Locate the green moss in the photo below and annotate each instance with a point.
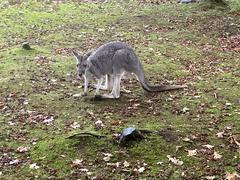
(55, 148)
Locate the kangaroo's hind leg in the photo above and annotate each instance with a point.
(116, 88)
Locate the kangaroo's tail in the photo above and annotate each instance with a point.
(158, 88)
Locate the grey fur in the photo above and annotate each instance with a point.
(111, 61)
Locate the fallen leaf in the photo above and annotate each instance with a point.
(83, 170)
(22, 149)
(141, 169)
(220, 134)
(75, 125)
(208, 146)
(159, 163)
(48, 120)
(232, 140)
(34, 166)
(126, 164)
(13, 162)
(174, 160)
(77, 95)
(228, 128)
(107, 156)
(228, 104)
(11, 123)
(185, 109)
(216, 155)
(101, 30)
(77, 162)
(192, 152)
(186, 139)
(89, 173)
(210, 177)
(99, 123)
(25, 102)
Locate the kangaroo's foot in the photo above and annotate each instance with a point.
(102, 97)
(110, 96)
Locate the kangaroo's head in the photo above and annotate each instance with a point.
(81, 63)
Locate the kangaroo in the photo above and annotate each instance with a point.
(111, 61)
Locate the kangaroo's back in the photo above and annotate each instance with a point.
(107, 50)
(102, 59)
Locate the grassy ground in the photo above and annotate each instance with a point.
(194, 44)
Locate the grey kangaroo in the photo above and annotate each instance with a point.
(111, 61)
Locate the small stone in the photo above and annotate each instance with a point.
(26, 46)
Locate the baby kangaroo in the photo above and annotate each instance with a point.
(111, 61)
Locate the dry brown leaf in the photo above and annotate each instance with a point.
(233, 140)
(232, 176)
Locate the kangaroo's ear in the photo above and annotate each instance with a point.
(77, 56)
